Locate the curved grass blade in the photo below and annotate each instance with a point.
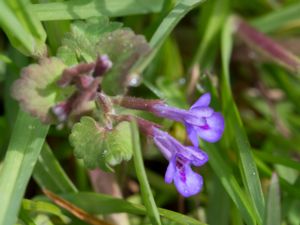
(25, 144)
(236, 130)
(147, 196)
(49, 174)
(165, 28)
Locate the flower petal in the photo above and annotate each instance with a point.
(170, 170)
(191, 185)
(192, 133)
(214, 129)
(163, 145)
(198, 157)
(202, 111)
(203, 101)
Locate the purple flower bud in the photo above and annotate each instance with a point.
(103, 64)
(181, 157)
(200, 120)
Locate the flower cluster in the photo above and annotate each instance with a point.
(200, 121)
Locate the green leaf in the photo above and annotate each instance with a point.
(25, 144)
(99, 147)
(105, 204)
(80, 43)
(119, 145)
(273, 209)
(124, 49)
(147, 196)
(82, 9)
(37, 91)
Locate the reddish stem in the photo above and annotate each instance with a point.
(136, 103)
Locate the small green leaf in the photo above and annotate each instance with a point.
(124, 49)
(99, 147)
(119, 145)
(87, 138)
(37, 91)
(80, 43)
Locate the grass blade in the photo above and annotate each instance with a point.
(26, 142)
(214, 21)
(50, 175)
(165, 28)
(230, 184)
(278, 18)
(16, 33)
(85, 9)
(236, 130)
(147, 196)
(95, 203)
(273, 211)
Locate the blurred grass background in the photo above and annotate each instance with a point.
(252, 72)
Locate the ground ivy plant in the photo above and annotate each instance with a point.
(81, 87)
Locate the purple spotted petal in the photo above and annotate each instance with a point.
(189, 184)
(203, 101)
(213, 131)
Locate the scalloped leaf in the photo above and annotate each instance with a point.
(124, 48)
(79, 44)
(36, 89)
(99, 147)
(119, 144)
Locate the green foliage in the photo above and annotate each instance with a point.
(100, 147)
(105, 204)
(43, 207)
(24, 30)
(83, 9)
(25, 144)
(98, 36)
(80, 43)
(124, 48)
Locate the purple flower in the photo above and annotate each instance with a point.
(200, 120)
(180, 158)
